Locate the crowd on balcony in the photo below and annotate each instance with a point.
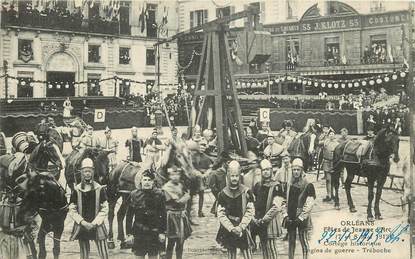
(57, 18)
(376, 54)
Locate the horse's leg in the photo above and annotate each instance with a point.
(347, 188)
(120, 219)
(381, 179)
(370, 187)
(112, 201)
(335, 185)
(41, 240)
(57, 234)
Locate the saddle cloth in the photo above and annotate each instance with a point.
(128, 175)
(354, 150)
(17, 162)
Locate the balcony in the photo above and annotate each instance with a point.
(66, 21)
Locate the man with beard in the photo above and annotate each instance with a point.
(147, 204)
(296, 203)
(235, 212)
(89, 208)
(265, 222)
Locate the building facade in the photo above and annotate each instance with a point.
(66, 48)
(324, 40)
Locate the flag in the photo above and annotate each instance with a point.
(142, 19)
(165, 14)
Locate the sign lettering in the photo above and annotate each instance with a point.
(99, 115)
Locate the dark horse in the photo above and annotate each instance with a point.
(373, 163)
(124, 178)
(73, 165)
(303, 145)
(19, 179)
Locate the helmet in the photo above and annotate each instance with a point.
(234, 165)
(265, 164)
(297, 163)
(87, 163)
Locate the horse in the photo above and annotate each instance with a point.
(373, 163)
(125, 177)
(304, 144)
(73, 164)
(17, 172)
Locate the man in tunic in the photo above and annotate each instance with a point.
(134, 145)
(153, 147)
(329, 145)
(265, 222)
(252, 143)
(147, 204)
(89, 208)
(87, 138)
(110, 144)
(217, 180)
(296, 204)
(235, 212)
(287, 132)
(273, 149)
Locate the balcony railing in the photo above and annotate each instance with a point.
(64, 21)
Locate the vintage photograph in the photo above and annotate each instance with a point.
(207, 129)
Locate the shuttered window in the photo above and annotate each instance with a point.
(198, 17)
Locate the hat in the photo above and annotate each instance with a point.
(234, 165)
(133, 129)
(155, 130)
(107, 129)
(20, 142)
(87, 163)
(287, 123)
(332, 130)
(265, 164)
(149, 173)
(297, 162)
(173, 169)
(90, 127)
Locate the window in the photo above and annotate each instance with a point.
(260, 6)
(198, 18)
(377, 52)
(332, 51)
(93, 10)
(151, 20)
(150, 57)
(125, 88)
(124, 12)
(25, 52)
(376, 6)
(94, 88)
(93, 54)
(25, 86)
(124, 56)
(293, 50)
(222, 12)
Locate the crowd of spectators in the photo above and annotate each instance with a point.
(376, 54)
(57, 18)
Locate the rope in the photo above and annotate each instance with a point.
(395, 205)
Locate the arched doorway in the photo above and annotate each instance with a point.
(60, 75)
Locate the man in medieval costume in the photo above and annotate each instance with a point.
(89, 208)
(147, 204)
(328, 147)
(134, 145)
(265, 221)
(153, 147)
(296, 204)
(287, 132)
(235, 212)
(110, 144)
(217, 179)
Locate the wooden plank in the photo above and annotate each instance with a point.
(239, 125)
(220, 121)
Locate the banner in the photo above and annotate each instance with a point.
(99, 115)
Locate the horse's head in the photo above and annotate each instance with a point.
(387, 144)
(47, 151)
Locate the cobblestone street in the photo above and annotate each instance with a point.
(202, 243)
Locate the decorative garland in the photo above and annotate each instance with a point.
(184, 68)
(313, 82)
(30, 82)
